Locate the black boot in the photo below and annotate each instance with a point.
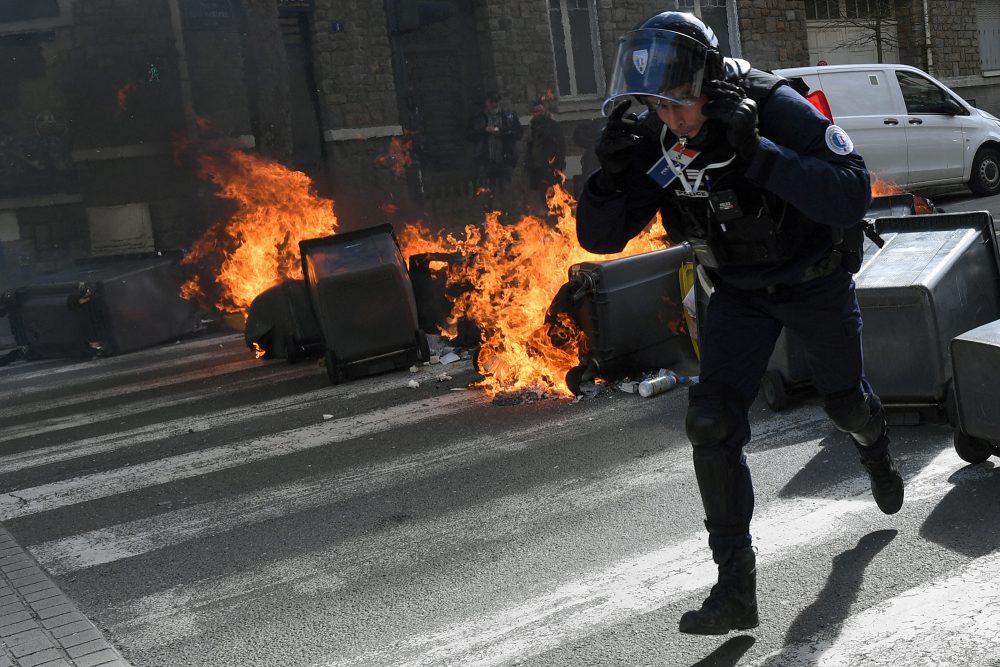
(887, 483)
(732, 604)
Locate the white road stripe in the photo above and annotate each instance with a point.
(25, 502)
(951, 622)
(640, 585)
(133, 538)
(133, 382)
(153, 432)
(106, 369)
(187, 610)
(140, 536)
(127, 409)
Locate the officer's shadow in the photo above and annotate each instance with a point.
(967, 519)
(833, 604)
(729, 654)
(837, 462)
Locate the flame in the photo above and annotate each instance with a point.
(514, 271)
(258, 246)
(124, 92)
(882, 187)
(399, 157)
(258, 351)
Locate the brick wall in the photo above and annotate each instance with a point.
(955, 38)
(353, 68)
(516, 49)
(773, 34)
(910, 29)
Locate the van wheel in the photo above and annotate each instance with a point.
(985, 179)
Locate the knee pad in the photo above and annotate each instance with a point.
(710, 421)
(858, 413)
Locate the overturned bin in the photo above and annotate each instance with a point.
(281, 323)
(363, 300)
(975, 358)
(102, 307)
(631, 313)
(936, 277)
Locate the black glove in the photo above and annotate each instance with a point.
(616, 147)
(729, 105)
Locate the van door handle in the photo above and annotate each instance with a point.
(890, 121)
(915, 121)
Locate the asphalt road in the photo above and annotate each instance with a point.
(202, 507)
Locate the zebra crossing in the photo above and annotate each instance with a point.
(206, 508)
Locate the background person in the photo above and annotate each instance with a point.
(546, 154)
(495, 132)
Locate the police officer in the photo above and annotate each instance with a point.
(769, 194)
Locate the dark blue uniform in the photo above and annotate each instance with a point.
(809, 182)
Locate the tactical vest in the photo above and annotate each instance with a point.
(736, 223)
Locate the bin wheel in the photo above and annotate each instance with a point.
(773, 386)
(972, 450)
(423, 347)
(574, 378)
(334, 372)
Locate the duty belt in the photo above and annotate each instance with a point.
(826, 265)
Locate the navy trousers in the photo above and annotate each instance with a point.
(736, 341)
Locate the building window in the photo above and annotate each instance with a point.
(868, 9)
(720, 16)
(574, 38)
(822, 9)
(988, 15)
(849, 9)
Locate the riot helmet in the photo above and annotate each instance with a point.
(666, 57)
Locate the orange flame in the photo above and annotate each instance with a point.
(515, 271)
(399, 157)
(259, 245)
(258, 351)
(124, 92)
(882, 187)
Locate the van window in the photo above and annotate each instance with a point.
(861, 93)
(921, 95)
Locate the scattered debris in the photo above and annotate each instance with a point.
(413, 384)
(443, 377)
(414, 369)
(449, 358)
(628, 386)
(325, 417)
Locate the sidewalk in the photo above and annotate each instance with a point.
(39, 626)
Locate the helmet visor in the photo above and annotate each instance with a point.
(660, 64)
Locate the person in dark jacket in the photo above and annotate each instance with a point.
(546, 154)
(495, 131)
(770, 194)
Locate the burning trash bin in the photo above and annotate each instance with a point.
(281, 323)
(363, 300)
(435, 297)
(631, 313)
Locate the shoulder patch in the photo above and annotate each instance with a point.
(838, 141)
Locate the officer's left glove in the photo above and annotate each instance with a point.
(728, 104)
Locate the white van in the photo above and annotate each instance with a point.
(910, 128)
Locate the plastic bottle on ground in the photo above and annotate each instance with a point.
(657, 385)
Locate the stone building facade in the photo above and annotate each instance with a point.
(94, 93)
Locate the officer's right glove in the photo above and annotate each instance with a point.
(617, 147)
